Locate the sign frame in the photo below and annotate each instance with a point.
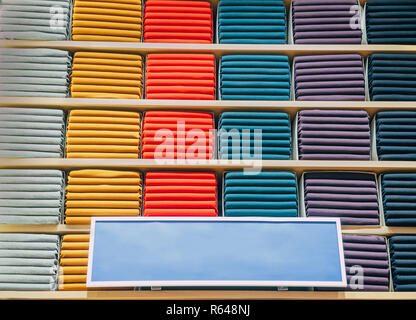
(216, 283)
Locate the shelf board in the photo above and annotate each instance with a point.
(215, 106)
(84, 228)
(378, 230)
(219, 50)
(204, 295)
(219, 166)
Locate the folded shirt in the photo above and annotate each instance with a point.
(398, 190)
(350, 196)
(35, 20)
(390, 77)
(337, 22)
(178, 134)
(333, 135)
(403, 263)
(393, 128)
(381, 22)
(329, 77)
(258, 85)
(103, 134)
(31, 196)
(73, 255)
(191, 194)
(186, 76)
(252, 22)
(366, 263)
(244, 135)
(28, 261)
(107, 75)
(178, 21)
(28, 132)
(270, 194)
(107, 21)
(91, 192)
(34, 72)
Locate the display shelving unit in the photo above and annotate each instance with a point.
(218, 166)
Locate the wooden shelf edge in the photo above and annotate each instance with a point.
(204, 295)
(378, 230)
(216, 106)
(70, 229)
(219, 166)
(218, 49)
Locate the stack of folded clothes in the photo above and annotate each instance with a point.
(178, 21)
(333, 135)
(254, 135)
(180, 76)
(28, 261)
(265, 194)
(351, 196)
(391, 22)
(31, 133)
(35, 19)
(392, 77)
(396, 135)
(107, 75)
(252, 22)
(326, 22)
(255, 77)
(329, 77)
(399, 194)
(34, 72)
(92, 192)
(178, 135)
(369, 253)
(74, 262)
(31, 196)
(180, 194)
(366, 263)
(117, 20)
(403, 262)
(103, 134)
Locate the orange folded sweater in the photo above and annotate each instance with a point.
(170, 21)
(107, 75)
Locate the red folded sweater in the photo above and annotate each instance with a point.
(178, 21)
(180, 194)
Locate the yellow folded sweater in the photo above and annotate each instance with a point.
(103, 181)
(104, 113)
(107, 11)
(101, 155)
(106, 17)
(103, 188)
(106, 24)
(105, 81)
(103, 126)
(99, 119)
(113, 5)
(103, 134)
(97, 173)
(110, 141)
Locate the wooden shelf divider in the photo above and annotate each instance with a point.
(215, 106)
(62, 229)
(219, 50)
(219, 166)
